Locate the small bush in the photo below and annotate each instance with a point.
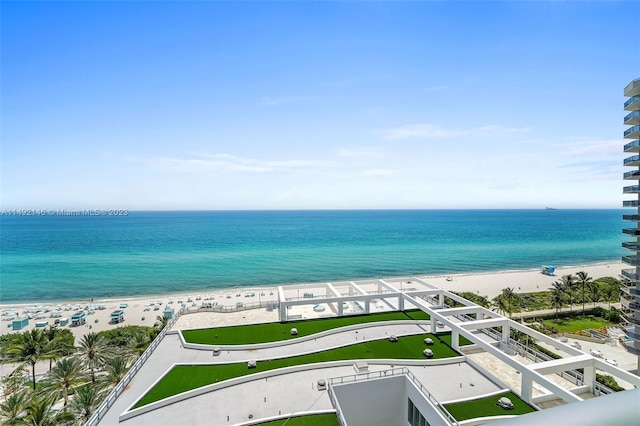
(609, 382)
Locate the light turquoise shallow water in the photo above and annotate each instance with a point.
(58, 258)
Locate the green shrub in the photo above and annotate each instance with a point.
(545, 351)
(609, 382)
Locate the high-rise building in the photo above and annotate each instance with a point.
(630, 295)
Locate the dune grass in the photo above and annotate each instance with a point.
(183, 378)
(310, 420)
(485, 407)
(276, 331)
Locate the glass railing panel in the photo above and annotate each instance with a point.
(631, 217)
(631, 174)
(631, 189)
(631, 145)
(631, 159)
(631, 100)
(630, 203)
(631, 115)
(631, 130)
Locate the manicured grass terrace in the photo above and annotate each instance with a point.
(311, 420)
(276, 331)
(183, 378)
(485, 407)
(571, 325)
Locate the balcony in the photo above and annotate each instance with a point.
(631, 217)
(630, 274)
(632, 146)
(633, 189)
(631, 260)
(631, 305)
(631, 245)
(630, 317)
(630, 332)
(632, 175)
(634, 160)
(633, 88)
(630, 203)
(632, 132)
(631, 291)
(632, 103)
(632, 118)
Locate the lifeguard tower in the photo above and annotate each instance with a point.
(548, 270)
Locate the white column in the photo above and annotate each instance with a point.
(455, 340)
(340, 309)
(526, 386)
(590, 377)
(283, 311)
(433, 324)
(367, 306)
(401, 303)
(506, 333)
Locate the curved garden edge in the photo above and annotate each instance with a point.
(130, 413)
(206, 347)
(284, 417)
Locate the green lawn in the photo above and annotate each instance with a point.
(485, 407)
(571, 325)
(183, 378)
(311, 420)
(275, 331)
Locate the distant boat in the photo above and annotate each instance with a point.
(550, 208)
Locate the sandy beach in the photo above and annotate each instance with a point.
(144, 310)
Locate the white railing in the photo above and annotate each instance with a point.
(115, 392)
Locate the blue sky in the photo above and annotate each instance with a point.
(306, 105)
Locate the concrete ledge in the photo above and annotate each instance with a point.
(584, 338)
(254, 346)
(285, 417)
(484, 420)
(130, 412)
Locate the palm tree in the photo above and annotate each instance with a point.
(116, 368)
(95, 351)
(161, 322)
(583, 279)
(611, 292)
(498, 304)
(40, 412)
(569, 283)
(67, 373)
(557, 298)
(508, 295)
(30, 347)
(60, 343)
(595, 293)
(14, 406)
(139, 343)
(86, 400)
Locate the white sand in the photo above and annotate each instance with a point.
(486, 284)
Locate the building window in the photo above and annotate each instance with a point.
(414, 416)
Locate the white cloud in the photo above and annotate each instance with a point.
(228, 163)
(363, 152)
(377, 172)
(432, 131)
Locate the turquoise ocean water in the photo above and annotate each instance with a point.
(47, 258)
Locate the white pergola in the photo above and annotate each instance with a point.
(430, 299)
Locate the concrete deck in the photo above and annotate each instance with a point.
(283, 394)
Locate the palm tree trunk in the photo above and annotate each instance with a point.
(33, 374)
